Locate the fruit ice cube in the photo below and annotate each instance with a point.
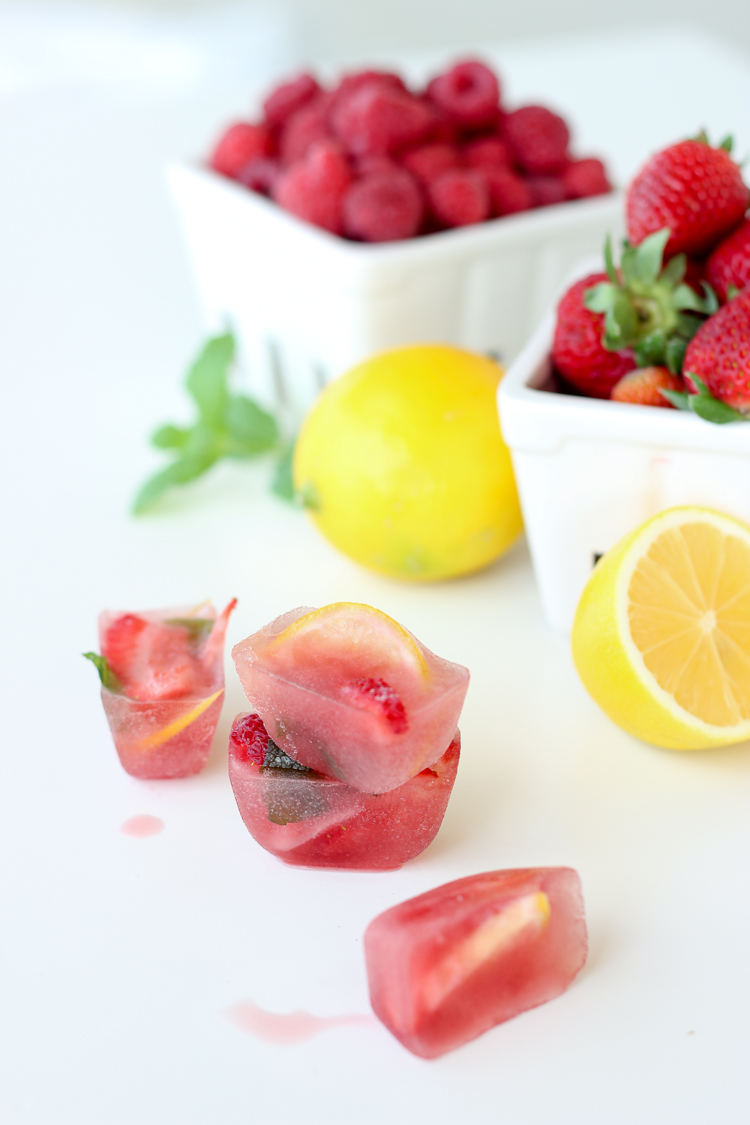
(348, 692)
(452, 963)
(162, 674)
(307, 819)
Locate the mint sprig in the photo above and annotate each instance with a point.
(109, 680)
(704, 404)
(228, 425)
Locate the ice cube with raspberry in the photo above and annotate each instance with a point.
(448, 965)
(307, 819)
(162, 686)
(350, 693)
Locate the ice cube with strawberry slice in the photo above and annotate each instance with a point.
(450, 964)
(162, 685)
(347, 691)
(307, 819)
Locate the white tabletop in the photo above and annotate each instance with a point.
(121, 956)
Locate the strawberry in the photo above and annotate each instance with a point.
(693, 189)
(577, 350)
(729, 264)
(719, 355)
(643, 386)
(380, 699)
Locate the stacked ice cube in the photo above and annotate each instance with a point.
(351, 753)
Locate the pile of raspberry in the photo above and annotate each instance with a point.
(374, 161)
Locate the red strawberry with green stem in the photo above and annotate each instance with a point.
(728, 267)
(693, 189)
(577, 349)
(717, 363)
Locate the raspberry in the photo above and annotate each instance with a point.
(469, 93)
(368, 165)
(303, 129)
(250, 739)
(288, 98)
(509, 194)
(538, 138)
(642, 386)
(428, 161)
(313, 189)
(240, 144)
(546, 190)
(380, 699)
(486, 152)
(352, 82)
(460, 197)
(260, 175)
(583, 178)
(383, 207)
(376, 119)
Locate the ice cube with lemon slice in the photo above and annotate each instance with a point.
(349, 692)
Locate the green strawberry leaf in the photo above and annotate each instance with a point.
(651, 351)
(680, 399)
(674, 271)
(251, 430)
(600, 298)
(207, 380)
(283, 482)
(711, 300)
(686, 298)
(609, 263)
(732, 292)
(711, 410)
(674, 354)
(109, 680)
(728, 143)
(648, 256)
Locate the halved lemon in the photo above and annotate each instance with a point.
(661, 637)
(358, 635)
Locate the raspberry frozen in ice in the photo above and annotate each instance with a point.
(452, 963)
(305, 818)
(347, 691)
(162, 674)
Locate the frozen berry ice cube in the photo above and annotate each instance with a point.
(162, 676)
(346, 691)
(452, 963)
(307, 819)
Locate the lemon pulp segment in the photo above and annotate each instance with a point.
(689, 618)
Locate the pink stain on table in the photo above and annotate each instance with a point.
(286, 1028)
(142, 826)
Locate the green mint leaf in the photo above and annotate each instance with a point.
(600, 298)
(674, 271)
(185, 469)
(680, 399)
(609, 264)
(711, 410)
(648, 256)
(109, 680)
(282, 484)
(251, 430)
(198, 628)
(674, 354)
(170, 437)
(207, 380)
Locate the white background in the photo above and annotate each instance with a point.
(119, 956)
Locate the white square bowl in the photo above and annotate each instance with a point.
(307, 305)
(590, 470)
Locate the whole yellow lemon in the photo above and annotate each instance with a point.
(403, 467)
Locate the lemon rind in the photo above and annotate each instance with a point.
(636, 549)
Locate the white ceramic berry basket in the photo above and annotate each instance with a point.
(590, 470)
(307, 305)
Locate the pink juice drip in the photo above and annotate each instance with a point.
(291, 1027)
(142, 826)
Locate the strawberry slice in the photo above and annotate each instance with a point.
(379, 698)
